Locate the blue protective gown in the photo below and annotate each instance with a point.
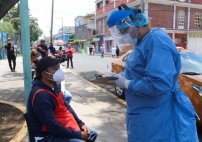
(157, 110)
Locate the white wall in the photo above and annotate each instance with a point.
(194, 42)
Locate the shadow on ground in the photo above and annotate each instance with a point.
(11, 121)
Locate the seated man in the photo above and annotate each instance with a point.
(49, 117)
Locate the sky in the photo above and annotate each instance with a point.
(67, 10)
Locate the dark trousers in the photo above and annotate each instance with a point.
(102, 54)
(69, 59)
(92, 138)
(12, 58)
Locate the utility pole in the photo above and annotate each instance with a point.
(25, 43)
(62, 31)
(51, 31)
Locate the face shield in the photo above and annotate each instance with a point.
(124, 34)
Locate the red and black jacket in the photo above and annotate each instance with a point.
(49, 114)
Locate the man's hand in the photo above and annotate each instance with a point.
(85, 135)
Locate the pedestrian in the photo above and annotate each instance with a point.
(52, 49)
(113, 51)
(102, 49)
(48, 116)
(69, 52)
(93, 50)
(157, 110)
(11, 55)
(35, 57)
(117, 51)
(59, 52)
(42, 48)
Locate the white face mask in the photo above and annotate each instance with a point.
(58, 76)
(39, 58)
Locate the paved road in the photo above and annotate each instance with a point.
(88, 65)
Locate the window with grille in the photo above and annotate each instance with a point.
(197, 20)
(181, 15)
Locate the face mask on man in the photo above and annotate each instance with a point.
(58, 76)
(39, 58)
(9, 43)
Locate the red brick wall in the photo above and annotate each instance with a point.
(131, 0)
(161, 15)
(99, 26)
(196, 1)
(99, 11)
(106, 29)
(192, 13)
(109, 7)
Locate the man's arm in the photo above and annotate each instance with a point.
(44, 106)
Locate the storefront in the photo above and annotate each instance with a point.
(98, 41)
(108, 43)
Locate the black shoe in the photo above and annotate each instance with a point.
(67, 67)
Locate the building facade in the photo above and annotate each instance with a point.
(84, 30)
(182, 19)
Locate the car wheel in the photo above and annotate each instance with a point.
(120, 92)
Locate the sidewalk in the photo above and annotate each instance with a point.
(95, 106)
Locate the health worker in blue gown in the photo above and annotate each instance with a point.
(157, 110)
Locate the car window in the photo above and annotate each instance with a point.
(191, 63)
(126, 57)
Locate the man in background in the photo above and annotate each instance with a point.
(10, 55)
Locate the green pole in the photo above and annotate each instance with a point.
(25, 43)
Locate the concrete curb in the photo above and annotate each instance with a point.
(98, 87)
(23, 131)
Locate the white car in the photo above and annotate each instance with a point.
(58, 46)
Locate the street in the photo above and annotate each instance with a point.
(87, 66)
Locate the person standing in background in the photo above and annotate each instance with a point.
(69, 52)
(42, 48)
(113, 51)
(52, 49)
(10, 55)
(117, 51)
(102, 49)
